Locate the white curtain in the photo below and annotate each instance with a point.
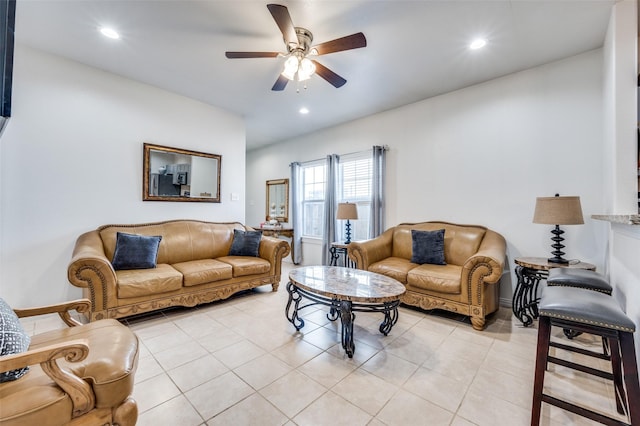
(296, 213)
(330, 207)
(376, 223)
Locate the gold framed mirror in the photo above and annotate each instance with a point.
(174, 174)
(278, 200)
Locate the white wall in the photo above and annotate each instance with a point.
(479, 155)
(72, 161)
(620, 154)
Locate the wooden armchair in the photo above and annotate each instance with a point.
(80, 375)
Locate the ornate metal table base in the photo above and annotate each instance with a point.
(343, 309)
(525, 297)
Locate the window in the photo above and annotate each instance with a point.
(314, 180)
(355, 174)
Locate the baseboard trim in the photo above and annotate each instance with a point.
(505, 302)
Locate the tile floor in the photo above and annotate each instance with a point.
(240, 362)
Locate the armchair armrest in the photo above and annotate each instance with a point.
(82, 306)
(365, 253)
(486, 266)
(80, 392)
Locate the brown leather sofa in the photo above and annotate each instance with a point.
(193, 267)
(81, 375)
(469, 282)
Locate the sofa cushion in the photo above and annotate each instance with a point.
(143, 282)
(109, 368)
(13, 340)
(245, 243)
(439, 278)
(394, 267)
(203, 271)
(135, 251)
(246, 265)
(427, 247)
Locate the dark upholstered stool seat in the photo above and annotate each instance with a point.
(580, 278)
(595, 313)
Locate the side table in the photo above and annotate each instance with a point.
(338, 250)
(530, 271)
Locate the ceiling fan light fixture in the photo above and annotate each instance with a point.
(306, 69)
(478, 43)
(291, 67)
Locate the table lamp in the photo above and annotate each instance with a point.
(347, 211)
(558, 211)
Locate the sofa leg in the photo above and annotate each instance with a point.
(478, 323)
(126, 414)
(274, 286)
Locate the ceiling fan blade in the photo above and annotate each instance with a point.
(237, 55)
(353, 41)
(283, 19)
(329, 75)
(280, 83)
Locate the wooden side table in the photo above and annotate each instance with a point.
(338, 250)
(530, 271)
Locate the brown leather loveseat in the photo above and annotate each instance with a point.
(469, 282)
(193, 267)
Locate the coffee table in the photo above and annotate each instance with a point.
(345, 291)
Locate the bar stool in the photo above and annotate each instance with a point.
(598, 314)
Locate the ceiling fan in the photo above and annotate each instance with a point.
(298, 40)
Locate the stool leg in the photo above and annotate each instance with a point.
(542, 353)
(616, 369)
(630, 366)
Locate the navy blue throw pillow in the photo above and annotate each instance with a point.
(428, 247)
(245, 243)
(135, 251)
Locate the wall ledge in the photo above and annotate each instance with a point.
(626, 219)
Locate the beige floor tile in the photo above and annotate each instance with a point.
(147, 367)
(468, 351)
(177, 411)
(391, 368)
(215, 396)
(327, 369)
(198, 325)
(181, 354)
(436, 325)
(509, 363)
(321, 337)
(154, 391)
(262, 371)
(153, 327)
(252, 411)
(239, 353)
(468, 334)
(297, 352)
(361, 354)
(406, 408)
(292, 393)
(412, 350)
(168, 340)
(513, 389)
(220, 340)
(454, 367)
(331, 409)
(366, 391)
(487, 410)
(460, 421)
(196, 372)
(436, 388)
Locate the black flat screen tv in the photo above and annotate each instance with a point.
(7, 30)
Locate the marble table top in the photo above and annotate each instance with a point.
(347, 284)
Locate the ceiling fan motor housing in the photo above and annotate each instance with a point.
(305, 37)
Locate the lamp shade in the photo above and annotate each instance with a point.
(558, 211)
(347, 211)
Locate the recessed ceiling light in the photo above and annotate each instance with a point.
(109, 32)
(477, 43)
(303, 110)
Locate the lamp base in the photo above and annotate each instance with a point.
(557, 252)
(348, 229)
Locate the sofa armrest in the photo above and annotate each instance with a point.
(274, 250)
(486, 266)
(82, 306)
(80, 392)
(91, 269)
(365, 253)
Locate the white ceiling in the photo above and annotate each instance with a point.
(416, 49)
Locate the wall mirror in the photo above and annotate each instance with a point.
(173, 174)
(278, 200)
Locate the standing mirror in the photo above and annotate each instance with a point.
(278, 200)
(173, 174)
